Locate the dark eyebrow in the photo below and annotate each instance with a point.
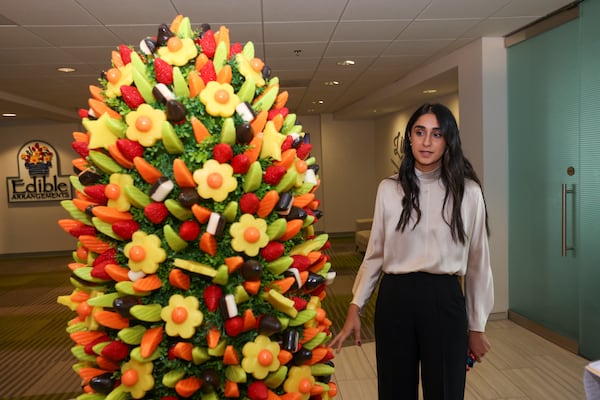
(422, 127)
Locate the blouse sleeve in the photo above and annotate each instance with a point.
(370, 269)
(479, 293)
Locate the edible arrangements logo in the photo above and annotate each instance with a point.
(39, 178)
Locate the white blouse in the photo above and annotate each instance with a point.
(429, 247)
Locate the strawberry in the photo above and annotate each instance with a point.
(96, 193)
(212, 294)
(108, 257)
(163, 71)
(303, 150)
(273, 174)
(275, 111)
(125, 229)
(130, 149)
(116, 350)
(287, 143)
(302, 263)
(81, 148)
(240, 164)
(234, 326)
(88, 348)
(83, 230)
(125, 53)
(156, 212)
(235, 48)
(189, 230)
(132, 97)
(272, 251)
(299, 303)
(222, 152)
(83, 113)
(208, 43)
(257, 390)
(249, 203)
(208, 73)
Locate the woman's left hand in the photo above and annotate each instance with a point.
(479, 344)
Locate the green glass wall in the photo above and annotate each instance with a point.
(554, 140)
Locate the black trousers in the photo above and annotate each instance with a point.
(420, 324)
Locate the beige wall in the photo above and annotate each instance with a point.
(347, 171)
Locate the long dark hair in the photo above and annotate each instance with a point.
(454, 170)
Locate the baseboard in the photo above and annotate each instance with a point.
(497, 316)
(548, 334)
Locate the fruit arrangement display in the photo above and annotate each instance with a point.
(198, 272)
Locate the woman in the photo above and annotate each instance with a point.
(429, 229)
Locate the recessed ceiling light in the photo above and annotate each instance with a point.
(66, 69)
(332, 83)
(9, 115)
(346, 62)
(429, 91)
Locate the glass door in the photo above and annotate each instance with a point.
(543, 156)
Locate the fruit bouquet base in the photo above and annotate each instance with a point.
(197, 271)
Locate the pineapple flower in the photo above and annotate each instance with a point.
(145, 125)
(215, 180)
(144, 252)
(219, 99)
(117, 77)
(300, 380)
(115, 193)
(182, 316)
(178, 51)
(249, 235)
(136, 378)
(260, 357)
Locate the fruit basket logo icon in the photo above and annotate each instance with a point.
(38, 159)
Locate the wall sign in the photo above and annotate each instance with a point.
(39, 178)
(398, 153)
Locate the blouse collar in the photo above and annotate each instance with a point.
(430, 176)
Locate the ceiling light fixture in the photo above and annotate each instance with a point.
(429, 91)
(66, 69)
(332, 83)
(9, 115)
(346, 63)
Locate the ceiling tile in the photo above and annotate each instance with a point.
(383, 9)
(351, 49)
(443, 9)
(305, 31)
(416, 47)
(305, 10)
(16, 36)
(55, 12)
(121, 12)
(437, 29)
(533, 8)
(497, 26)
(290, 50)
(63, 36)
(225, 11)
(368, 30)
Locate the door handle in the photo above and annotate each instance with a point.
(564, 193)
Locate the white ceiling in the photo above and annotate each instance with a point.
(302, 41)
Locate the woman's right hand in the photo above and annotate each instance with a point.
(352, 325)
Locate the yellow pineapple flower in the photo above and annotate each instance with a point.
(182, 316)
(144, 252)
